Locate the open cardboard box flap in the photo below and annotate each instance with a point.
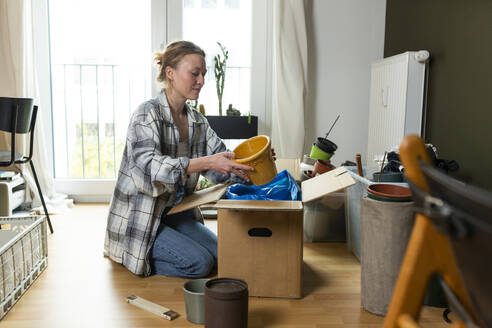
(200, 197)
(260, 205)
(324, 184)
(312, 189)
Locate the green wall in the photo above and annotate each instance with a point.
(458, 35)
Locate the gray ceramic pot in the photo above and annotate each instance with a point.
(194, 295)
(388, 177)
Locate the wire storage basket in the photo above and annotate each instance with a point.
(23, 256)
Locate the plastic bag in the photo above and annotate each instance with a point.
(282, 187)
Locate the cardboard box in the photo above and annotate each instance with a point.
(292, 165)
(261, 241)
(324, 219)
(262, 245)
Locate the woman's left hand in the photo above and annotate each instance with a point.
(224, 164)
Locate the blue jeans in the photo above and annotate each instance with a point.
(183, 247)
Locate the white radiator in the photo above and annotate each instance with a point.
(397, 101)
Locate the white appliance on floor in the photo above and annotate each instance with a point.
(397, 101)
(12, 193)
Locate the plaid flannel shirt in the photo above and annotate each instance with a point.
(150, 177)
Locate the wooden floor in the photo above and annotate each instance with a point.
(81, 288)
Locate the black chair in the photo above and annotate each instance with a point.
(18, 116)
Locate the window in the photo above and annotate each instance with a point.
(100, 54)
(100, 59)
(229, 22)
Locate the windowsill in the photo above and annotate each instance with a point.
(86, 190)
(63, 180)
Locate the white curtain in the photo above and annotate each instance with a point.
(18, 78)
(289, 78)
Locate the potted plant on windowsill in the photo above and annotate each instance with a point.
(232, 126)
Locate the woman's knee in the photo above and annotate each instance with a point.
(203, 264)
(195, 262)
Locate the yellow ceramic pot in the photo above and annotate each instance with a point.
(256, 152)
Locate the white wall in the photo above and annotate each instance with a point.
(344, 38)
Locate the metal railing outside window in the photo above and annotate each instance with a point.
(92, 105)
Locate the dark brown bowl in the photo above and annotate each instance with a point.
(389, 191)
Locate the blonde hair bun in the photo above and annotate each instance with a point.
(171, 56)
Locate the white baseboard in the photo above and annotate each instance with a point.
(91, 198)
(86, 190)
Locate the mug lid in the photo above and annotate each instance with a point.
(226, 288)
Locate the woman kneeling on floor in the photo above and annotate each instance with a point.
(168, 145)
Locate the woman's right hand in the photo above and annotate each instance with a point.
(224, 164)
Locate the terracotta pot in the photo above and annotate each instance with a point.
(321, 167)
(389, 192)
